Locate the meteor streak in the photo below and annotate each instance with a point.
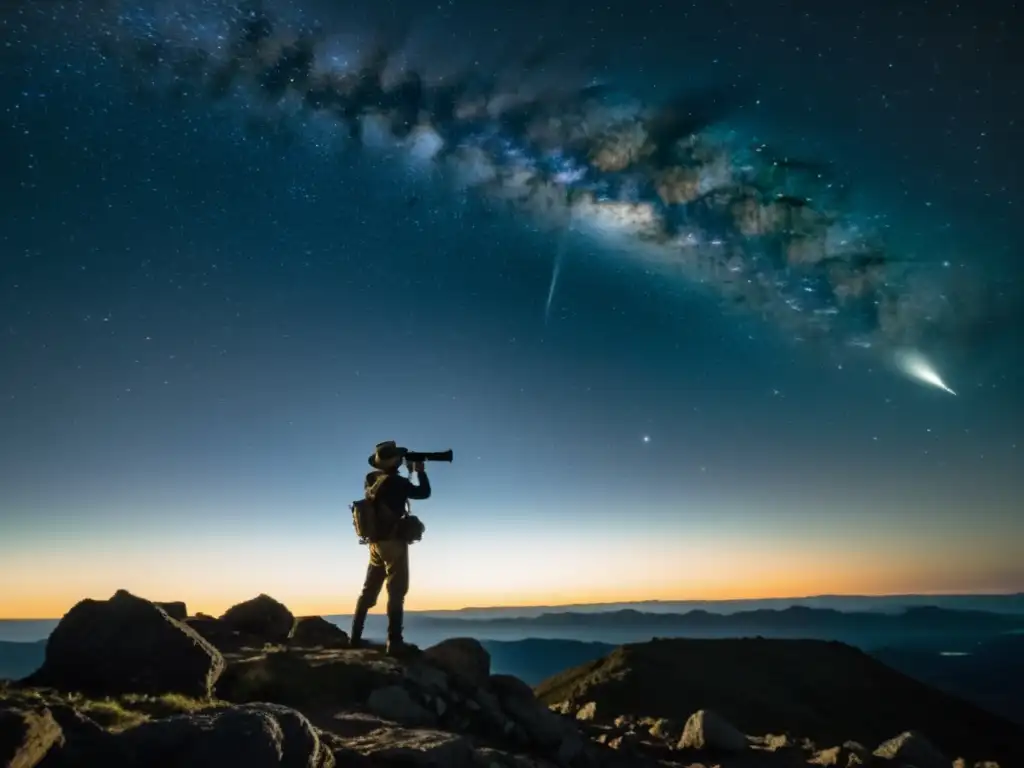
(555, 272)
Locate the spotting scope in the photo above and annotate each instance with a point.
(429, 455)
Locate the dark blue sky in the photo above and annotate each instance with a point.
(204, 328)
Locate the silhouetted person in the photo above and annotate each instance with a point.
(389, 551)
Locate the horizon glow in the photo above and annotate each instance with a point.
(211, 567)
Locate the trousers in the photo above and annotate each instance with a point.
(389, 564)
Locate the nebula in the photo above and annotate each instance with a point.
(663, 183)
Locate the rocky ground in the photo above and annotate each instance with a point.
(826, 691)
(128, 683)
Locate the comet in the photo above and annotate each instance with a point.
(917, 367)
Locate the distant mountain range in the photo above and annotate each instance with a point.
(923, 627)
(929, 616)
(994, 603)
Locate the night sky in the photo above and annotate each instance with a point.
(212, 309)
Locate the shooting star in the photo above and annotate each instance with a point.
(917, 367)
(555, 271)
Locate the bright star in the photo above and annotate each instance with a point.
(647, 438)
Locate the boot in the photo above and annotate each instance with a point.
(355, 638)
(396, 646)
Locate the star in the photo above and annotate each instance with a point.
(646, 438)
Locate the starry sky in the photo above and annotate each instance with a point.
(207, 321)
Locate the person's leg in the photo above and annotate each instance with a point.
(376, 574)
(396, 559)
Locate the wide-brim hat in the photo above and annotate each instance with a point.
(387, 454)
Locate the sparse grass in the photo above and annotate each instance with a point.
(115, 713)
(167, 704)
(10, 691)
(111, 714)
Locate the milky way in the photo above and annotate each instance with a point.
(662, 183)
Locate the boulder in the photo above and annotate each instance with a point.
(309, 679)
(589, 711)
(127, 645)
(508, 686)
(393, 702)
(463, 658)
(27, 736)
(422, 674)
(486, 708)
(911, 748)
(707, 730)
(177, 610)
(262, 617)
(253, 735)
(317, 632)
(222, 636)
(543, 728)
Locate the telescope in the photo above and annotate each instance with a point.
(429, 455)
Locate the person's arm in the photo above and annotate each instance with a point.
(420, 490)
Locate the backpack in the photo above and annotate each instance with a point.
(372, 520)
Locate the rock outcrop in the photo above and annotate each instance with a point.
(127, 645)
(252, 735)
(462, 657)
(261, 735)
(708, 730)
(262, 616)
(316, 631)
(309, 702)
(914, 749)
